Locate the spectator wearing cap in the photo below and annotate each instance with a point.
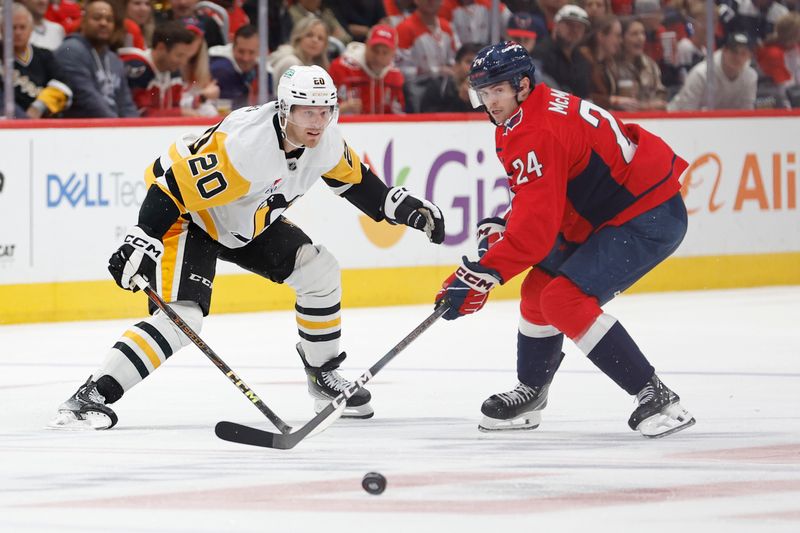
(526, 29)
(366, 77)
(66, 13)
(470, 19)
(757, 18)
(308, 45)
(46, 34)
(358, 16)
(427, 44)
(636, 74)
(235, 67)
(650, 14)
(304, 8)
(451, 94)
(187, 9)
(735, 81)
(561, 58)
(93, 71)
(40, 88)
(154, 75)
(779, 57)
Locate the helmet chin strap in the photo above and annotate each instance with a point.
(288, 140)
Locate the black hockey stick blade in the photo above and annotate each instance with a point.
(233, 432)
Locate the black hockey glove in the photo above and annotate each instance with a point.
(402, 208)
(138, 254)
(490, 230)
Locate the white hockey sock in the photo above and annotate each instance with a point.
(316, 282)
(147, 344)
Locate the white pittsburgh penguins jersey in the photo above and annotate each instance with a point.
(234, 180)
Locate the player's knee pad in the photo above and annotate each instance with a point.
(568, 308)
(316, 276)
(189, 312)
(531, 294)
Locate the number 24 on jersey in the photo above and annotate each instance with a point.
(524, 171)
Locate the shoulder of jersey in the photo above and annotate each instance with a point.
(250, 140)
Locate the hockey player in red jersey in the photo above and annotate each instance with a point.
(595, 206)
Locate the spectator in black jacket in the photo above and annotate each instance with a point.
(560, 58)
(449, 93)
(39, 88)
(358, 16)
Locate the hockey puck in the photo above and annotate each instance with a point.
(374, 483)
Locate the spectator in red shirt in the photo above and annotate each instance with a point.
(398, 10)
(64, 12)
(779, 57)
(427, 43)
(154, 75)
(139, 23)
(366, 77)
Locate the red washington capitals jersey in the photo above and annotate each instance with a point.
(573, 168)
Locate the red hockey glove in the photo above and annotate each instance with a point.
(490, 230)
(467, 289)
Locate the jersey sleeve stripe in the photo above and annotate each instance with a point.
(174, 189)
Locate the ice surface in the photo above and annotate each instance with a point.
(733, 356)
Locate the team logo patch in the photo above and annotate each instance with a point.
(513, 122)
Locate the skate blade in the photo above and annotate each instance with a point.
(526, 421)
(360, 412)
(68, 421)
(672, 419)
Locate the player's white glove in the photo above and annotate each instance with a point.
(402, 208)
(490, 230)
(138, 254)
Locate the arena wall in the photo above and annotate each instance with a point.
(70, 189)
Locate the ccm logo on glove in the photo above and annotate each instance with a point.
(146, 245)
(481, 283)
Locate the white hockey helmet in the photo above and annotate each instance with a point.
(309, 86)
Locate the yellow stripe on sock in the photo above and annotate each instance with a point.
(319, 325)
(146, 348)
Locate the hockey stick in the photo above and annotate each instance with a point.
(233, 432)
(208, 352)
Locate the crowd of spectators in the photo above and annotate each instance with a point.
(131, 58)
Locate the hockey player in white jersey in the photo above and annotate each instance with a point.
(222, 195)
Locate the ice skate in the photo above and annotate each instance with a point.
(325, 384)
(659, 414)
(86, 409)
(520, 408)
